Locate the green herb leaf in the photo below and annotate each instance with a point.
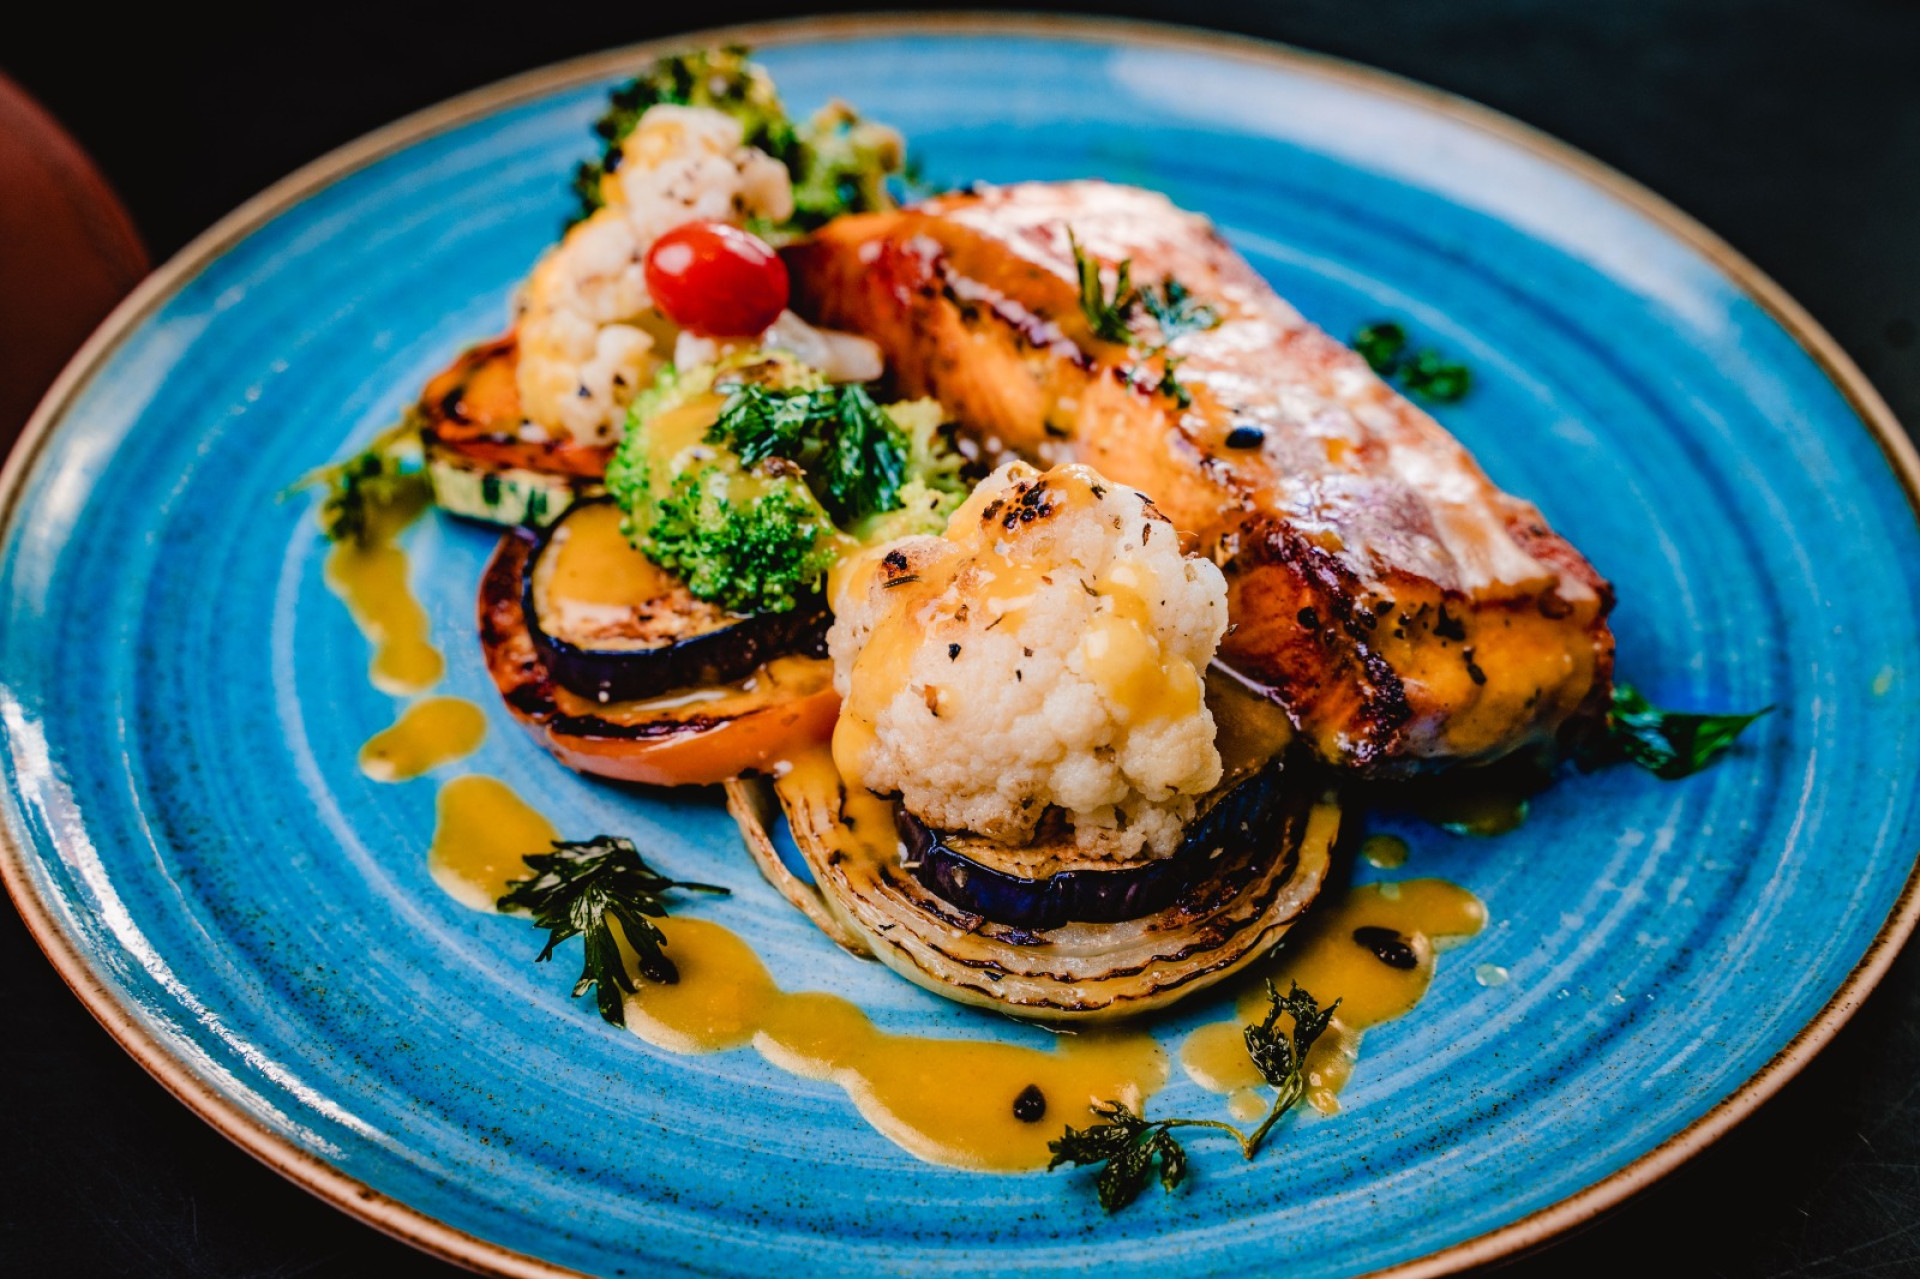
(1107, 313)
(1422, 373)
(1127, 1146)
(1170, 383)
(582, 889)
(1669, 744)
(1110, 315)
(1177, 311)
(853, 455)
(1280, 1058)
(380, 478)
(1380, 345)
(1431, 377)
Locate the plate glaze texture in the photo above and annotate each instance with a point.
(182, 700)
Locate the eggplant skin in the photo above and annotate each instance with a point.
(1230, 822)
(689, 746)
(717, 656)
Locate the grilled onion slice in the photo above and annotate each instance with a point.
(1078, 971)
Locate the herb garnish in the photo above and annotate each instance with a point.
(379, 477)
(1424, 373)
(854, 456)
(1170, 385)
(1669, 744)
(1173, 308)
(1171, 304)
(1107, 313)
(1177, 311)
(581, 889)
(1128, 1146)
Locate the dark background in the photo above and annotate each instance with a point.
(1791, 127)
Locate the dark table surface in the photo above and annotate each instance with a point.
(1791, 127)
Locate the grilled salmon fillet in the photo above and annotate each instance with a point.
(1403, 610)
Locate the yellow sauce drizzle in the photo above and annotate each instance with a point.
(1323, 956)
(371, 580)
(593, 562)
(428, 734)
(947, 1101)
(481, 832)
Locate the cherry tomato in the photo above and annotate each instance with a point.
(716, 280)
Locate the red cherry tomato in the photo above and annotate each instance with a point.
(716, 280)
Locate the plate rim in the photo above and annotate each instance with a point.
(437, 1238)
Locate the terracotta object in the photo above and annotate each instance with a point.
(68, 252)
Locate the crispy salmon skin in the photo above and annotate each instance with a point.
(1405, 611)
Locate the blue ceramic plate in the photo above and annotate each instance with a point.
(182, 701)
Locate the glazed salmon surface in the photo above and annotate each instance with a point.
(1405, 611)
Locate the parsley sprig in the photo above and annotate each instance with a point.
(1424, 373)
(1128, 1147)
(1669, 744)
(582, 889)
(853, 454)
(383, 476)
(1174, 308)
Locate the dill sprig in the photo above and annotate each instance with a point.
(1174, 308)
(1129, 1148)
(582, 889)
(1108, 313)
(1177, 311)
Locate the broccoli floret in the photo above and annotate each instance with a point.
(762, 555)
(743, 515)
(841, 164)
(923, 509)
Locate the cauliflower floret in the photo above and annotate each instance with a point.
(583, 353)
(1047, 652)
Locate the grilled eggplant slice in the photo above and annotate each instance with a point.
(1079, 971)
(694, 736)
(483, 458)
(960, 868)
(613, 626)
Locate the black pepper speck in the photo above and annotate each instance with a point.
(1389, 947)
